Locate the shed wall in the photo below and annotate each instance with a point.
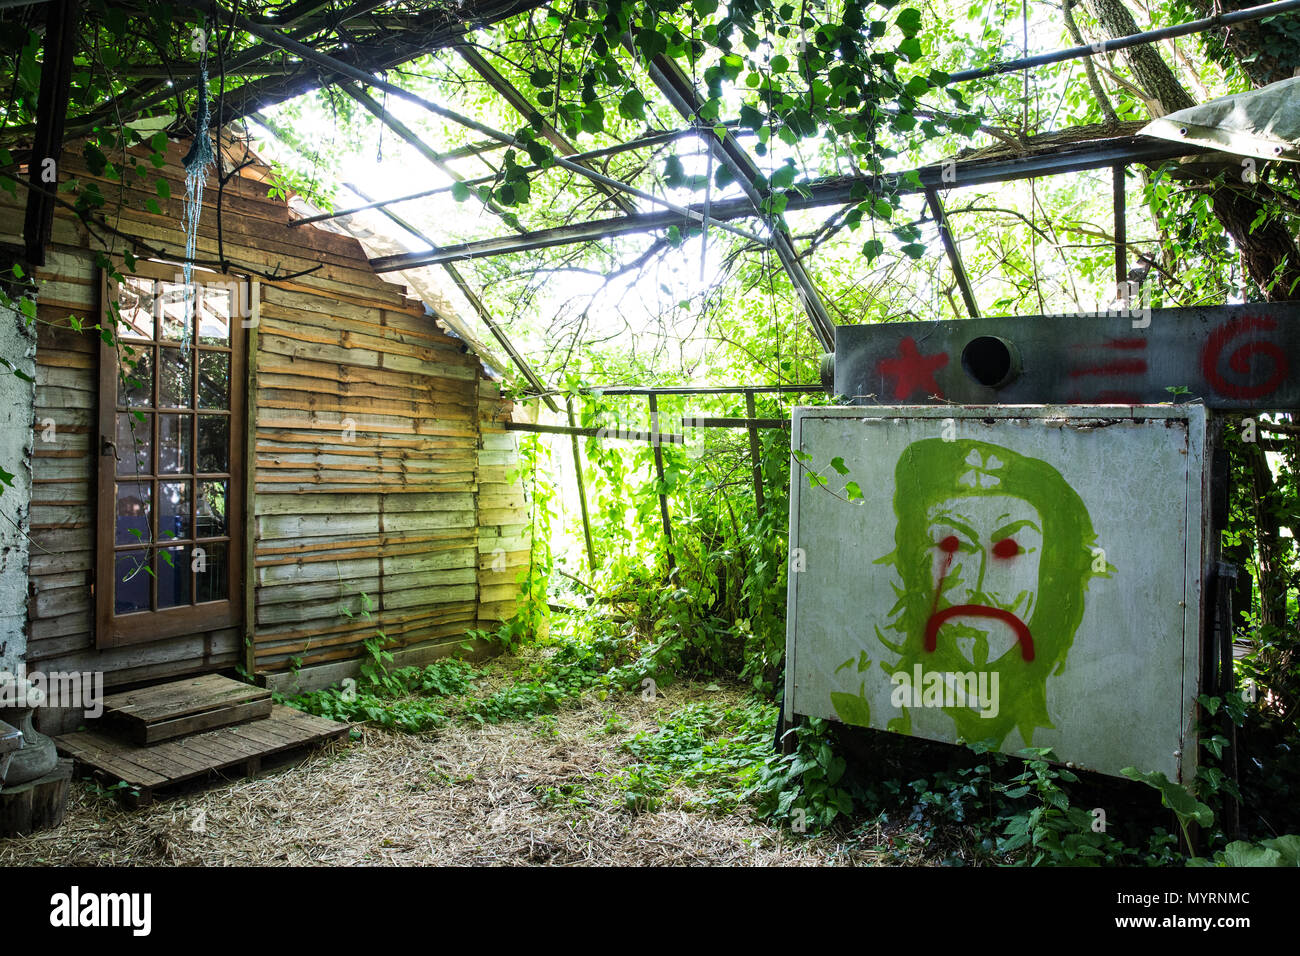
(378, 469)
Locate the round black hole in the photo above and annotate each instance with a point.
(991, 361)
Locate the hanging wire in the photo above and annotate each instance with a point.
(196, 163)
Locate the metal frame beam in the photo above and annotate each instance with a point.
(423, 148)
(677, 87)
(1122, 43)
(128, 104)
(434, 29)
(51, 113)
(520, 104)
(352, 72)
(477, 305)
(653, 139)
(950, 247)
(826, 192)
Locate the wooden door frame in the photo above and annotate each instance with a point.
(112, 630)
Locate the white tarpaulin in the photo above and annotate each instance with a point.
(1264, 123)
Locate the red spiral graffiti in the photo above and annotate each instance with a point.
(1240, 359)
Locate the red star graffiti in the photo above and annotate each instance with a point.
(912, 370)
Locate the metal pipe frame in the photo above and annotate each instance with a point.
(1134, 39)
(479, 64)
(653, 139)
(826, 192)
(344, 69)
(678, 89)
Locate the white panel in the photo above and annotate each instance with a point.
(1051, 556)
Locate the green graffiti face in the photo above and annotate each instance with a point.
(987, 553)
(993, 553)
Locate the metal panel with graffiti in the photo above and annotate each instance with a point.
(1030, 576)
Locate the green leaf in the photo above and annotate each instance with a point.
(632, 105)
(95, 158)
(910, 48)
(838, 464)
(459, 192)
(674, 175)
(909, 21)
(852, 491)
(539, 152)
(779, 64)
(917, 86)
(1175, 796)
(1288, 846)
(650, 43)
(1241, 853)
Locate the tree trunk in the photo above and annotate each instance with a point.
(1269, 252)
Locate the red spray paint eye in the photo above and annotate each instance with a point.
(1006, 548)
(949, 544)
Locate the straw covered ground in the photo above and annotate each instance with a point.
(539, 792)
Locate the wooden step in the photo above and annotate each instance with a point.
(167, 711)
(236, 751)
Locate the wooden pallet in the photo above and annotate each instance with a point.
(166, 711)
(149, 770)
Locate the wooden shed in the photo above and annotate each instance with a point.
(258, 476)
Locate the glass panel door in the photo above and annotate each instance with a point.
(172, 540)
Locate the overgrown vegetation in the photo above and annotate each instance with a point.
(813, 90)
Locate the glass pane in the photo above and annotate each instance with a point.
(212, 577)
(134, 443)
(176, 379)
(214, 443)
(174, 305)
(173, 570)
(133, 512)
(131, 581)
(173, 510)
(214, 380)
(174, 441)
(212, 509)
(214, 314)
(135, 300)
(135, 376)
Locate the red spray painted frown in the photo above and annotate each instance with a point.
(1005, 549)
